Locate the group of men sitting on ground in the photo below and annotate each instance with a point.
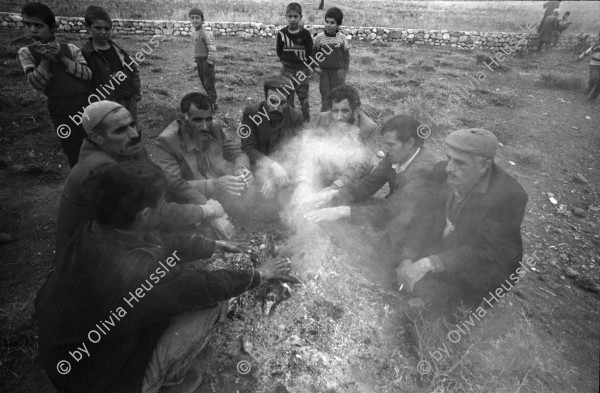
(130, 307)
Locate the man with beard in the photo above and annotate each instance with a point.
(344, 121)
(266, 127)
(112, 136)
(198, 159)
(467, 238)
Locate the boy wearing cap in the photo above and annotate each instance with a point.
(294, 48)
(60, 71)
(205, 54)
(466, 242)
(112, 68)
(336, 52)
(265, 129)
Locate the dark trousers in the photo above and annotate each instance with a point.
(206, 72)
(594, 82)
(301, 88)
(546, 44)
(447, 292)
(330, 79)
(60, 108)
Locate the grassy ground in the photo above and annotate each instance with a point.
(449, 15)
(346, 329)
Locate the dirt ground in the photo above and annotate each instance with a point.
(345, 329)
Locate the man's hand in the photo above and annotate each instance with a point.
(233, 185)
(415, 272)
(223, 228)
(322, 197)
(268, 189)
(401, 272)
(245, 174)
(328, 214)
(231, 247)
(302, 192)
(275, 269)
(280, 175)
(212, 209)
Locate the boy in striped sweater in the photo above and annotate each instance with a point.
(205, 54)
(294, 47)
(60, 71)
(336, 52)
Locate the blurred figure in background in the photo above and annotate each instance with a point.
(563, 24)
(546, 34)
(549, 6)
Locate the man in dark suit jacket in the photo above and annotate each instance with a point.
(470, 230)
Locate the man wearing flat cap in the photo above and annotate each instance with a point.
(469, 231)
(112, 136)
(266, 128)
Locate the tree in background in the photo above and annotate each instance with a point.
(322, 4)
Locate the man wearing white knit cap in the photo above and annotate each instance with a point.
(112, 136)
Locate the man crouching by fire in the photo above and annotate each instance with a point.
(466, 242)
(123, 312)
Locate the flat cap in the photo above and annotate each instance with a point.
(475, 141)
(95, 113)
(279, 82)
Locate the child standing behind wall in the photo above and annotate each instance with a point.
(334, 46)
(60, 72)
(294, 47)
(107, 59)
(205, 54)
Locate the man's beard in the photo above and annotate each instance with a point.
(275, 115)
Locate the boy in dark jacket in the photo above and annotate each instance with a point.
(113, 70)
(294, 48)
(60, 72)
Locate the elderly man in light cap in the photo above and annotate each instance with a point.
(265, 129)
(469, 231)
(112, 136)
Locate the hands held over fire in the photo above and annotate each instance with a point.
(277, 269)
(245, 174)
(410, 273)
(212, 209)
(223, 228)
(232, 247)
(328, 214)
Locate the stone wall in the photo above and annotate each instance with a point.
(461, 39)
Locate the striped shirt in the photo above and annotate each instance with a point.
(204, 45)
(336, 50)
(39, 76)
